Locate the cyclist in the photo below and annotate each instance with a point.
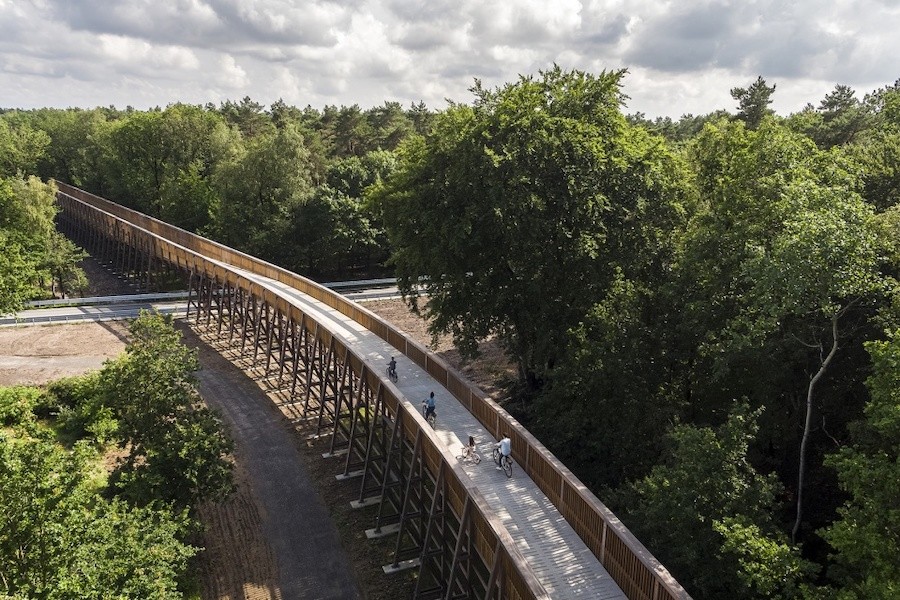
(470, 452)
(429, 405)
(392, 368)
(505, 445)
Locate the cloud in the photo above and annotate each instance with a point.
(682, 57)
(231, 74)
(768, 37)
(686, 38)
(209, 23)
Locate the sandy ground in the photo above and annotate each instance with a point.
(38, 354)
(489, 371)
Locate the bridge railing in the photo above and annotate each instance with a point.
(491, 539)
(634, 568)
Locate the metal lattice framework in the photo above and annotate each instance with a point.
(440, 521)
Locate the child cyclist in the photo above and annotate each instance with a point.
(429, 405)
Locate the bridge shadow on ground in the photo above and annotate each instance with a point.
(295, 512)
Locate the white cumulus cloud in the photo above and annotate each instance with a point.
(682, 57)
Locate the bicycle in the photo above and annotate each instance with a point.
(470, 452)
(503, 462)
(432, 418)
(391, 374)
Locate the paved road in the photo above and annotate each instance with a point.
(130, 310)
(311, 563)
(100, 312)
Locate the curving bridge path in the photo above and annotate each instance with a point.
(468, 529)
(563, 564)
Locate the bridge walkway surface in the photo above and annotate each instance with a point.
(559, 558)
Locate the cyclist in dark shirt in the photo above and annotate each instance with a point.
(429, 406)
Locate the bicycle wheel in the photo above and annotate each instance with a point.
(476, 458)
(432, 420)
(507, 466)
(496, 456)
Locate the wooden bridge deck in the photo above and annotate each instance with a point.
(558, 557)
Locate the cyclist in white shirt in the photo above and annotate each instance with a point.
(505, 445)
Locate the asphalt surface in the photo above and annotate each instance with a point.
(298, 526)
(131, 309)
(101, 312)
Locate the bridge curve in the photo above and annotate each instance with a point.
(461, 527)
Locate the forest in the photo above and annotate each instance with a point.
(703, 312)
(99, 492)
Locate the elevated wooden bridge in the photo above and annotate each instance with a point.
(469, 530)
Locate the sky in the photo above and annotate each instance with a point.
(682, 56)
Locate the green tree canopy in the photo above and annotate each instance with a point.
(707, 515)
(866, 536)
(32, 251)
(517, 212)
(176, 448)
(160, 162)
(753, 102)
(259, 187)
(59, 540)
(21, 147)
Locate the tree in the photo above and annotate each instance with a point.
(122, 550)
(61, 261)
(259, 186)
(786, 261)
(176, 448)
(687, 127)
(843, 117)
(878, 157)
(17, 274)
(835, 233)
(39, 486)
(878, 151)
(753, 102)
(612, 392)
(885, 104)
(839, 119)
(32, 250)
(248, 116)
(21, 147)
(352, 132)
(27, 210)
(866, 536)
(69, 131)
(421, 117)
(513, 212)
(390, 125)
(160, 162)
(60, 540)
(706, 514)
